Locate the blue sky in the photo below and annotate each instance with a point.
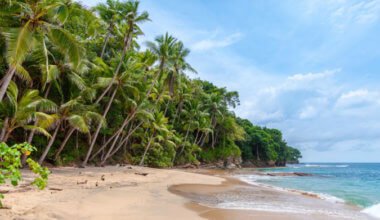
(309, 68)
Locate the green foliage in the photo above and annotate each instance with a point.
(10, 164)
(84, 74)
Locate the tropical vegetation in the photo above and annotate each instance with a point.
(79, 86)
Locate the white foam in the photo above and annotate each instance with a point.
(252, 179)
(373, 211)
(323, 165)
(281, 207)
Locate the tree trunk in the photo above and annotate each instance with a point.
(32, 132)
(106, 40)
(51, 141)
(4, 130)
(117, 133)
(127, 39)
(183, 146)
(64, 143)
(257, 151)
(5, 82)
(156, 76)
(125, 139)
(146, 150)
(94, 137)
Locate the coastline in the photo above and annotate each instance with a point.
(126, 192)
(205, 199)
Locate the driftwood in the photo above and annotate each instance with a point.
(84, 182)
(142, 174)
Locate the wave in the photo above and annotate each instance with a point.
(252, 179)
(323, 165)
(292, 209)
(373, 211)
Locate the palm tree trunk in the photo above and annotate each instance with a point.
(117, 133)
(146, 150)
(31, 134)
(47, 149)
(94, 137)
(106, 40)
(156, 76)
(4, 130)
(5, 82)
(127, 42)
(64, 143)
(183, 146)
(125, 139)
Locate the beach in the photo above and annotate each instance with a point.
(130, 192)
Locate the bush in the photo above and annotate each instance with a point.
(10, 163)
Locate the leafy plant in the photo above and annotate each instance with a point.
(10, 164)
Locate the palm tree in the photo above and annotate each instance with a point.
(163, 48)
(38, 25)
(157, 128)
(19, 112)
(133, 17)
(79, 117)
(110, 13)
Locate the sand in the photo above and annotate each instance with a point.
(122, 195)
(115, 192)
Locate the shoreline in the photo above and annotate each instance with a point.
(143, 193)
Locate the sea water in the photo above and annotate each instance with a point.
(353, 183)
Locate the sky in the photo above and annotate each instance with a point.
(308, 68)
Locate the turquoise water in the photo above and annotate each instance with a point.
(355, 183)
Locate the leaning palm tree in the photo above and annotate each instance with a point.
(39, 23)
(19, 112)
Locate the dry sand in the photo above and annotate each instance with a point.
(119, 193)
(122, 195)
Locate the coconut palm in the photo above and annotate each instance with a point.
(19, 112)
(39, 23)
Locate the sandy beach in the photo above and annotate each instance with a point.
(130, 192)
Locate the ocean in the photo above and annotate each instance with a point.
(357, 184)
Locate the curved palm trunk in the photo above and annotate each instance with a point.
(106, 40)
(146, 150)
(4, 130)
(47, 149)
(125, 140)
(116, 134)
(127, 42)
(5, 82)
(64, 143)
(95, 136)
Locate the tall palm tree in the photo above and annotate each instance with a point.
(110, 13)
(39, 24)
(163, 48)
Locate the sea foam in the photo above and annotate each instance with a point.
(373, 210)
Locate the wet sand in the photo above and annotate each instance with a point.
(205, 200)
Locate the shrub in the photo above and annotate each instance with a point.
(10, 163)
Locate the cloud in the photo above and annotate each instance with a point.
(216, 42)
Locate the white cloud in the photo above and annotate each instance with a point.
(216, 42)
(358, 98)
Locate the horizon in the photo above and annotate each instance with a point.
(309, 69)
